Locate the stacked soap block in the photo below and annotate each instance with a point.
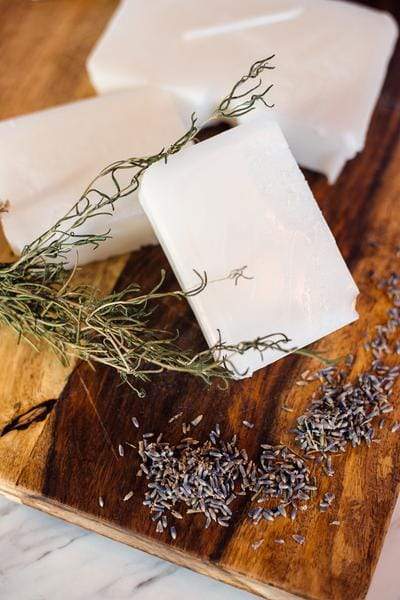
(47, 160)
(238, 207)
(331, 60)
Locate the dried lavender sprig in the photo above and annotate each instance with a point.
(39, 301)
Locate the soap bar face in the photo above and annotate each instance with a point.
(48, 158)
(331, 60)
(239, 200)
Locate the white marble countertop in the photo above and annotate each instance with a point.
(43, 558)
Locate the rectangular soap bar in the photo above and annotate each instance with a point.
(239, 203)
(331, 60)
(48, 158)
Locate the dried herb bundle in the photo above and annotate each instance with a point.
(40, 302)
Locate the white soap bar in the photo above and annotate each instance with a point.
(239, 199)
(48, 158)
(331, 60)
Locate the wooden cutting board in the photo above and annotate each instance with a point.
(60, 427)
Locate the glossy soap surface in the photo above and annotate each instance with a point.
(331, 60)
(239, 202)
(48, 158)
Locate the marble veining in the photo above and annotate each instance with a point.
(43, 558)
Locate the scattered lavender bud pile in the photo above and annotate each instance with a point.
(283, 476)
(201, 478)
(380, 344)
(194, 477)
(206, 478)
(343, 412)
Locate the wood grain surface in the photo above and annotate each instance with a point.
(60, 427)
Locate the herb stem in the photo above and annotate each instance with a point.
(40, 302)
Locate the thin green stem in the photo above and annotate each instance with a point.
(40, 302)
